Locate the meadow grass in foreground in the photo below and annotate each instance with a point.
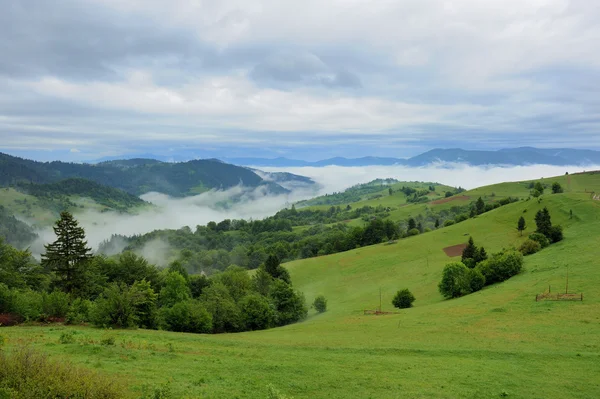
(498, 342)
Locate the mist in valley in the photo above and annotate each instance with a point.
(243, 203)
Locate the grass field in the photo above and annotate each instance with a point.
(498, 342)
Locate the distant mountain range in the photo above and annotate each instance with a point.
(139, 176)
(509, 157)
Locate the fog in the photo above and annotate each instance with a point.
(174, 213)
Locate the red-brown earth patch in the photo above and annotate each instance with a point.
(455, 250)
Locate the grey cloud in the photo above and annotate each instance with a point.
(302, 68)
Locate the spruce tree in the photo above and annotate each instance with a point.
(543, 222)
(521, 225)
(480, 206)
(69, 255)
(470, 251)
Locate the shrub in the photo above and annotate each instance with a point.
(557, 188)
(175, 289)
(501, 266)
(461, 218)
(29, 374)
(449, 222)
(115, 307)
(67, 337)
(257, 312)
(530, 247)
(108, 340)
(320, 304)
(555, 234)
(189, 316)
(289, 304)
(455, 280)
(476, 280)
(540, 238)
(403, 299)
(78, 311)
(55, 305)
(27, 304)
(226, 316)
(413, 232)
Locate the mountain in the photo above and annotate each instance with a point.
(508, 157)
(288, 180)
(137, 176)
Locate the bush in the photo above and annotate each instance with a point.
(27, 304)
(67, 337)
(413, 232)
(540, 238)
(189, 316)
(28, 374)
(55, 305)
(476, 280)
(530, 247)
(555, 234)
(501, 266)
(257, 312)
(114, 308)
(449, 222)
(557, 188)
(226, 316)
(78, 311)
(320, 304)
(403, 299)
(289, 304)
(455, 280)
(461, 218)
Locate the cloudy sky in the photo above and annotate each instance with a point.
(84, 79)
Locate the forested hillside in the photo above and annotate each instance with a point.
(107, 196)
(137, 177)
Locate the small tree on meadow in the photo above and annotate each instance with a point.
(557, 188)
(320, 304)
(403, 299)
(521, 226)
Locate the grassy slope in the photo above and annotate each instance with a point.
(494, 341)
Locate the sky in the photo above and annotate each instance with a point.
(87, 79)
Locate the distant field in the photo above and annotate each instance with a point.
(498, 342)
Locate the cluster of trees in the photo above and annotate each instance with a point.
(72, 284)
(538, 188)
(545, 233)
(476, 270)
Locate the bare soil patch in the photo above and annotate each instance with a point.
(455, 250)
(446, 200)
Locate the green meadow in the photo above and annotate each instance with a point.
(498, 342)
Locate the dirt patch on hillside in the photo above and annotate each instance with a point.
(455, 250)
(446, 200)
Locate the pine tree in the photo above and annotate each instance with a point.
(69, 255)
(543, 222)
(521, 225)
(470, 250)
(412, 224)
(480, 206)
(437, 223)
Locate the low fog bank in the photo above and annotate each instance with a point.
(339, 178)
(175, 213)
